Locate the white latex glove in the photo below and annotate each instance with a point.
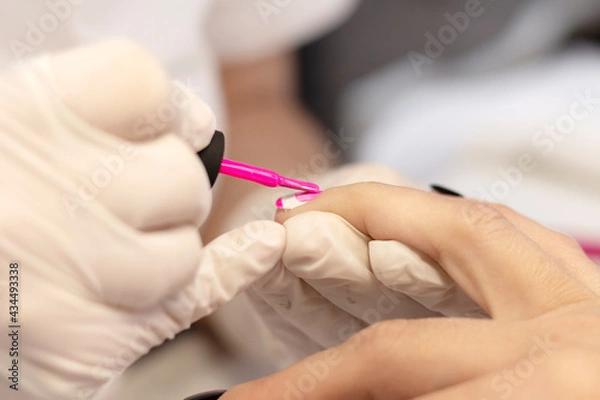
(100, 207)
(334, 280)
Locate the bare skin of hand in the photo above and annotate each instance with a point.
(541, 291)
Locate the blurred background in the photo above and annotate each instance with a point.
(485, 102)
(499, 100)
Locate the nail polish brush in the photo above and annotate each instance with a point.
(264, 176)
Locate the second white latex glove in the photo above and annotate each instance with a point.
(101, 205)
(333, 280)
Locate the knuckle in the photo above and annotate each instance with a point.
(382, 337)
(482, 219)
(310, 236)
(567, 242)
(505, 210)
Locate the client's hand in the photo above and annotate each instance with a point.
(542, 293)
(334, 280)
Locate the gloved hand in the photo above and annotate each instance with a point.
(99, 215)
(333, 280)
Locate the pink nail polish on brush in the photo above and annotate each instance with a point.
(294, 200)
(264, 176)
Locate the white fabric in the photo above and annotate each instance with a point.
(470, 132)
(103, 218)
(186, 36)
(242, 30)
(465, 122)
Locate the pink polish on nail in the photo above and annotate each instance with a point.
(294, 200)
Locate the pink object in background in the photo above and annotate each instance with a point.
(264, 176)
(591, 249)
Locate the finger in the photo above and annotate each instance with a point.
(194, 121)
(400, 360)
(333, 257)
(502, 269)
(285, 343)
(234, 261)
(226, 267)
(466, 349)
(560, 246)
(118, 87)
(153, 185)
(491, 386)
(111, 85)
(138, 270)
(306, 309)
(566, 374)
(415, 274)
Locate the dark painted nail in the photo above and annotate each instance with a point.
(442, 190)
(214, 395)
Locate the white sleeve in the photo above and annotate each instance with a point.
(243, 30)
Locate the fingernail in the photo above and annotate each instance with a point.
(294, 200)
(442, 190)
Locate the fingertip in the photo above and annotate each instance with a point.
(271, 233)
(111, 85)
(283, 214)
(335, 200)
(280, 216)
(196, 123)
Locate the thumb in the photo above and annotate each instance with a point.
(233, 261)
